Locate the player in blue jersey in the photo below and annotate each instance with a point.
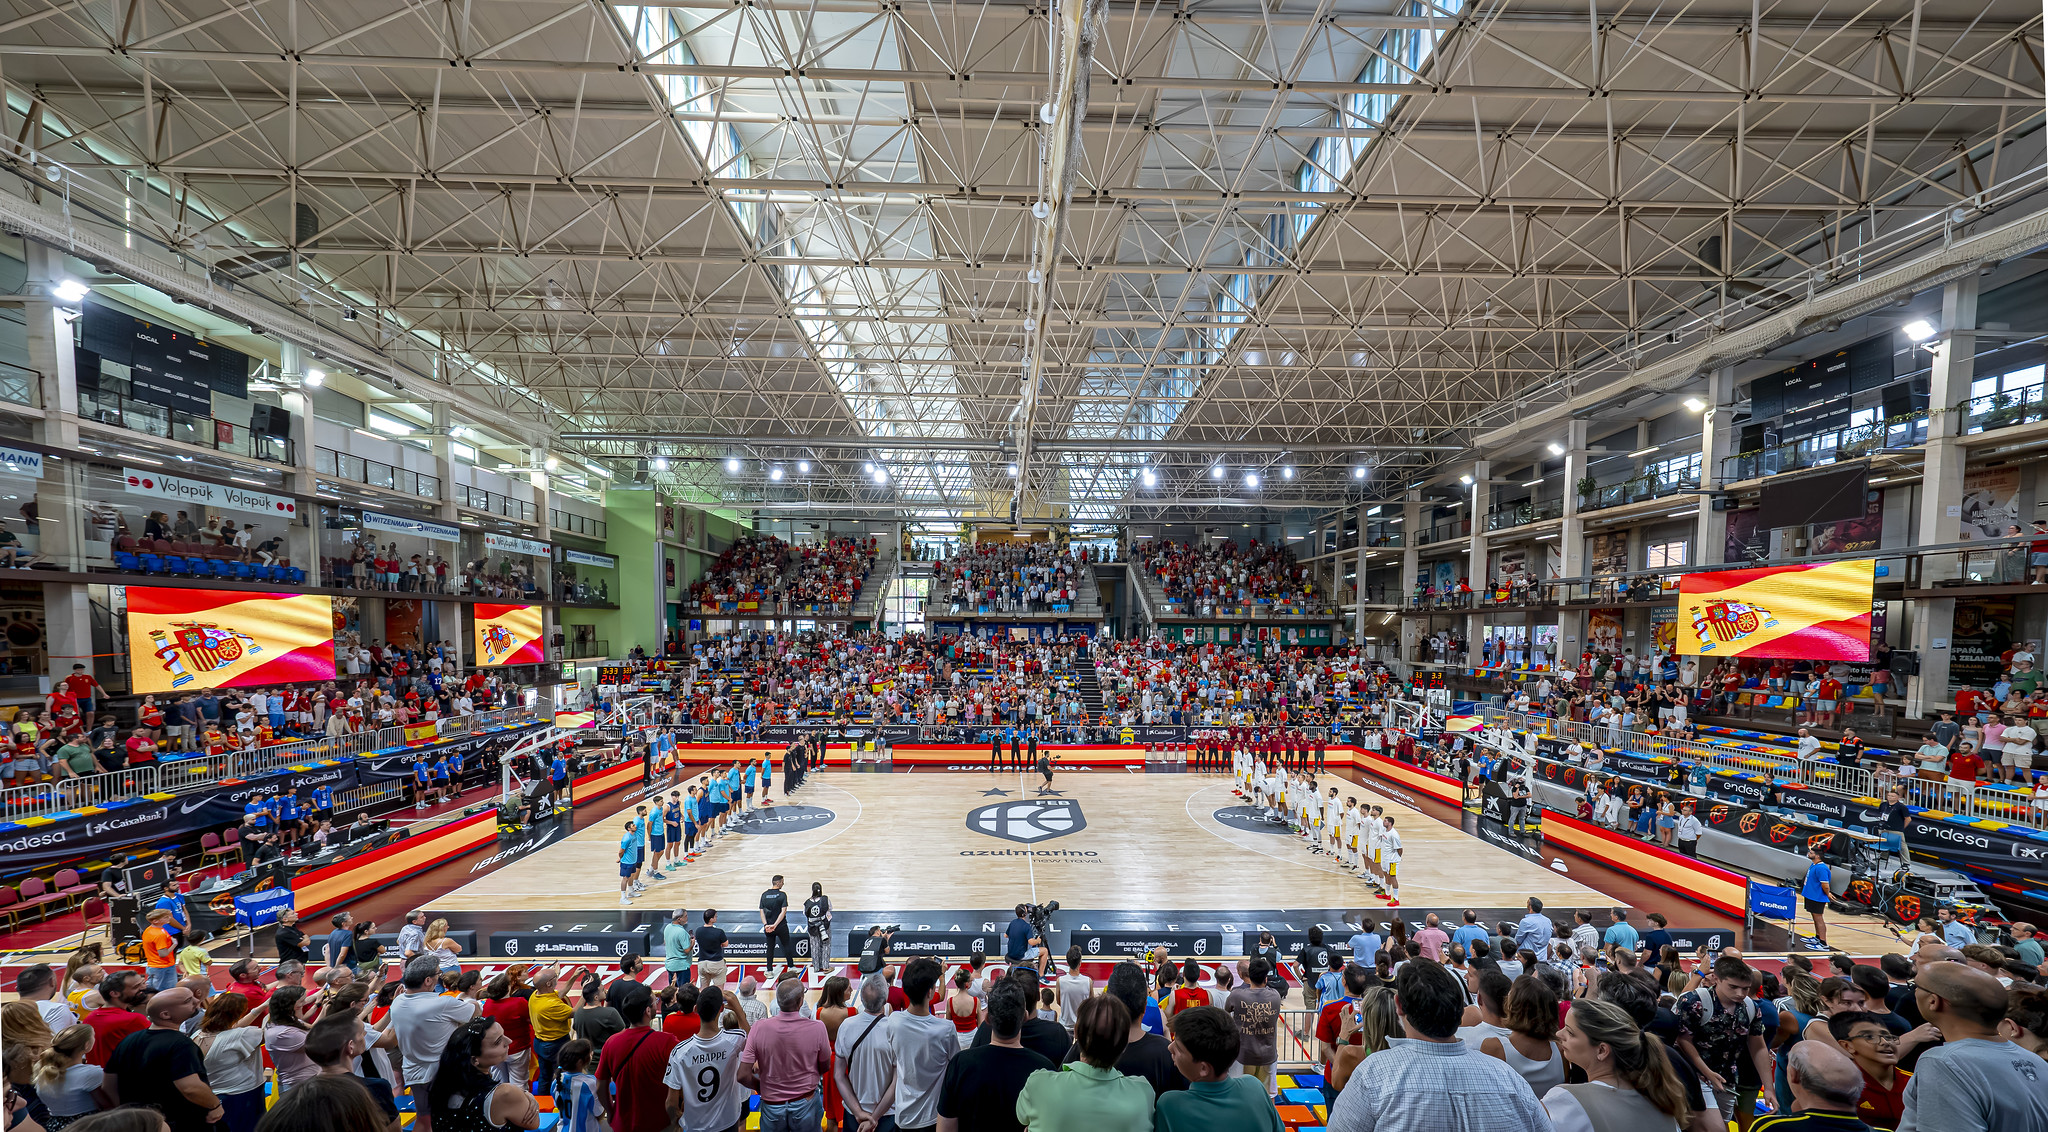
(629, 863)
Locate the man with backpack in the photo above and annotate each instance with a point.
(1722, 1026)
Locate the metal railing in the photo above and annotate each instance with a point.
(341, 465)
(174, 775)
(19, 385)
(770, 609)
(2026, 405)
(1867, 783)
(479, 499)
(112, 408)
(1524, 513)
(1906, 430)
(589, 650)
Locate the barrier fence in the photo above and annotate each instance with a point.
(198, 772)
(1947, 795)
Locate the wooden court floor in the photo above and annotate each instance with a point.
(1141, 841)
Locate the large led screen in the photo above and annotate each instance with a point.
(185, 640)
(508, 634)
(1818, 612)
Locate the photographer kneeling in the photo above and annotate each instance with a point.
(1023, 944)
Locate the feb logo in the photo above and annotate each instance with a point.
(1725, 622)
(202, 646)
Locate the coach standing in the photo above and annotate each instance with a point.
(775, 925)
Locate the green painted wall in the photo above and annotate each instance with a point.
(632, 537)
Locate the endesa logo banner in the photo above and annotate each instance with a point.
(508, 634)
(184, 640)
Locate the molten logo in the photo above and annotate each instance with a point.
(1906, 908)
(1780, 832)
(1749, 822)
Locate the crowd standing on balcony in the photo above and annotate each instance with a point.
(1227, 574)
(370, 565)
(1024, 577)
(768, 570)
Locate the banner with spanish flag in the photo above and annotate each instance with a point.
(508, 634)
(185, 639)
(1817, 612)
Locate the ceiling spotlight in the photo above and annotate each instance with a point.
(70, 291)
(1041, 209)
(552, 463)
(314, 378)
(1694, 404)
(1013, 471)
(661, 463)
(1251, 479)
(868, 468)
(1919, 330)
(1287, 473)
(1466, 480)
(803, 467)
(732, 464)
(1358, 473)
(881, 475)
(1556, 449)
(1150, 478)
(775, 474)
(1216, 472)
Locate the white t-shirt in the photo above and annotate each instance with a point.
(868, 1070)
(57, 1014)
(1074, 990)
(705, 1071)
(2019, 739)
(423, 1021)
(924, 1044)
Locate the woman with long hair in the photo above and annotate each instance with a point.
(464, 1097)
(1530, 1048)
(1375, 1021)
(444, 950)
(1629, 1086)
(70, 1088)
(127, 1118)
(232, 1047)
(963, 1010)
(22, 1021)
(1837, 996)
(833, 1009)
(284, 1035)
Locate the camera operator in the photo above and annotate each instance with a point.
(1023, 944)
(874, 950)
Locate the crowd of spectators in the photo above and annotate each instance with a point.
(1008, 577)
(1207, 577)
(766, 569)
(1512, 1027)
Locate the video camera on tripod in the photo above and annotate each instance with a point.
(1040, 916)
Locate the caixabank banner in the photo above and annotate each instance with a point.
(508, 634)
(185, 640)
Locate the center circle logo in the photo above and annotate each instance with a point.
(1251, 819)
(783, 819)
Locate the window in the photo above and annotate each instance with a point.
(1659, 555)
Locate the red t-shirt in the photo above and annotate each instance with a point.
(1880, 1107)
(109, 1026)
(510, 1014)
(1966, 701)
(681, 1025)
(1831, 689)
(635, 1061)
(79, 685)
(141, 750)
(1965, 765)
(1329, 1020)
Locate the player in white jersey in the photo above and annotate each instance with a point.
(704, 1091)
(1391, 848)
(1351, 824)
(1375, 833)
(1333, 827)
(1311, 817)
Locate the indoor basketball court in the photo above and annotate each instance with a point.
(974, 839)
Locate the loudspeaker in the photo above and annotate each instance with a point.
(1905, 663)
(270, 420)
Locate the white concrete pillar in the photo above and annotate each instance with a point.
(302, 538)
(1941, 490)
(1571, 540)
(1717, 443)
(1477, 501)
(1411, 565)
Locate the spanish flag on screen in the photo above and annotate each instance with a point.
(1818, 612)
(508, 634)
(185, 640)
